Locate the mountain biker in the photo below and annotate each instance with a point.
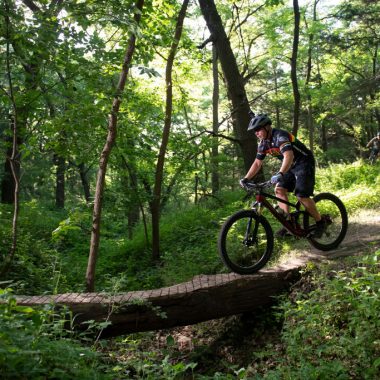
(375, 143)
(297, 171)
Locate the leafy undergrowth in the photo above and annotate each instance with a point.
(34, 345)
(328, 327)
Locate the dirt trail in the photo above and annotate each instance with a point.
(363, 236)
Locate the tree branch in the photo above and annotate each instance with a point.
(204, 43)
(31, 5)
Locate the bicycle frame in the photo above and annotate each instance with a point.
(291, 225)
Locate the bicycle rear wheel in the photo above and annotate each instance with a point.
(245, 242)
(334, 212)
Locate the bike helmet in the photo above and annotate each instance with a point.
(258, 122)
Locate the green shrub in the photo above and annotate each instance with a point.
(34, 345)
(36, 264)
(338, 177)
(334, 331)
(357, 184)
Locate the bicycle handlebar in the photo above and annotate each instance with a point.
(252, 186)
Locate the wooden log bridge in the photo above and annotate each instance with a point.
(203, 298)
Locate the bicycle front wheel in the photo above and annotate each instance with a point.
(245, 242)
(334, 212)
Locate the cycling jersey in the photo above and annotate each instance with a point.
(280, 142)
(301, 176)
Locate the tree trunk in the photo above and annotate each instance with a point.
(59, 161)
(324, 145)
(374, 85)
(293, 72)
(8, 185)
(85, 183)
(215, 124)
(133, 215)
(7, 182)
(196, 184)
(310, 119)
(133, 218)
(15, 156)
(15, 165)
(156, 202)
(111, 137)
(234, 81)
(275, 73)
(137, 207)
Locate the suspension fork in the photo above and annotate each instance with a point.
(257, 207)
(251, 236)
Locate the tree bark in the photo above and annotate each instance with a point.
(7, 183)
(196, 185)
(156, 202)
(111, 137)
(374, 85)
(293, 72)
(60, 164)
(324, 144)
(85, 183)
(275, 74)
(310, 119)
(234, 81)
(215, 124)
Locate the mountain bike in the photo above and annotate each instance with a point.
(246, 239)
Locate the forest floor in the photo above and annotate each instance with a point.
(235, 342)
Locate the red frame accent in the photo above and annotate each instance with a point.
(260, 198)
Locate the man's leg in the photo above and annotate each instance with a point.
(311, 208)
(282, 193)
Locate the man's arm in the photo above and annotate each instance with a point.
(254, 169)
(287, 161)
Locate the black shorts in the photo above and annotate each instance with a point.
(300, 178)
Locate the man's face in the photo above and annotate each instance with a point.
(261, 133)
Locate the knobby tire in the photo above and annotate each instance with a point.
(335, 233)
(238, 255)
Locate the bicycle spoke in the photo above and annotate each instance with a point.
(333, 212)
(246, 243)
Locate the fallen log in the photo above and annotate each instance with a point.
(203, 298)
